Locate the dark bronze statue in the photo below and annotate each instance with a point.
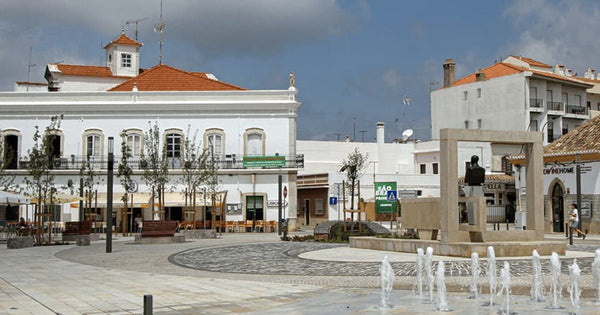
(475, 174)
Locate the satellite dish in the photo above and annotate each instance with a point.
(406, 134)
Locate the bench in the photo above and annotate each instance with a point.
(158, 228)
(78, 228)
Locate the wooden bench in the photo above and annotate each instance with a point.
(158, 228)
(78, 228)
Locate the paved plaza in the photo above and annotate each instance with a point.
(248, 273)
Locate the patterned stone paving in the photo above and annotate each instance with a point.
(282, 259)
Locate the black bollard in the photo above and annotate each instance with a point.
(148, 304)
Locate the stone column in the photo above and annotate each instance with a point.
(534, 165)
(448, 188)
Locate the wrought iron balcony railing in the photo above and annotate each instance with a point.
(557, 106)
(536, 102)
(576, 109)
(228, 162)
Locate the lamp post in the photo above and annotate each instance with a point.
(109, 194)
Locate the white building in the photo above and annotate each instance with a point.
(251, 132)
(515, 94)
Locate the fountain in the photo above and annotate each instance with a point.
(491, 270)
(429, 272)
(537, 287)
(596, 273)
(442, 304)
(574, 291)
(474, 274)
(556, 287)
(419, 267)
(387, 283)
(505, 287)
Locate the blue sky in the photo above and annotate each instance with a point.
(353, 60)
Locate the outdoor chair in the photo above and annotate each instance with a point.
(248, 225)
(272, 226)
(230, 226)
(240, 226)
(260, 225)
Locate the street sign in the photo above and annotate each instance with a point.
(382, 204)
(333, 200)
(391, 195)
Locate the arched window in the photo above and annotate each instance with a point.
(55, 138)
(254, 142)
(93, 140)
(11, 139)
(134, 140)
(214, 141)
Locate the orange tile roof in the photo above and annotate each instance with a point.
(124, 40)
(532, 62)
(588, 80)
(582, 138)
(167, 78)
(504, 69)
(88, 71)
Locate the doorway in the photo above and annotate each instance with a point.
(307, 211)
(558, 215)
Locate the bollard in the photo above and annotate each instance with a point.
(567, 229)
(506, 225)
(570, 235)
(148, 304)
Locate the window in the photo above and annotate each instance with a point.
(578, 100)
(319, 210)
(93, 146)
(109, 58)
(479, 93)
(126, 60)
(533, 125)
(214, 142)
(173, 145)
(506, 165)
(565, 98)
(565, 129)
(133, 140)
(12, 144)
(423, 168)
(465, 95)
(533, 92)
(254, 142)
(589, 104)
(435, 168)
(466, 124)
(478, 123)
(549, 96)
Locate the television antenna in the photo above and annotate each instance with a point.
(136, 25)
(406, 134)
(29, 66)
(406, 100)
(159, 29)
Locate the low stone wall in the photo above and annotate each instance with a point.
(460, 249)
(178, 238)
(199, 234)
(73, 238)
(19, 242)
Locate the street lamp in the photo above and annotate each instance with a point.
(109, 194)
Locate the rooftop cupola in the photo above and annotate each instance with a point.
(123, 56)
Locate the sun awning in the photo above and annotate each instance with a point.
(12, 199)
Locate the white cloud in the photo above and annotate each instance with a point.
(557, 32)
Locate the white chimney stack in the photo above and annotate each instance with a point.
(559, 69)
(380, 132)
(589, 74)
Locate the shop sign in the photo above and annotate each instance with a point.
(493, 186)
(407, 194)
(264, 161)
(382, 204)
(275, 203)
(559, 170)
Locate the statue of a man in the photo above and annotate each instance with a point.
(292, 79)
(475, 174)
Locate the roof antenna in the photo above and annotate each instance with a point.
(136, 25)
(29, 66)
(160, 28)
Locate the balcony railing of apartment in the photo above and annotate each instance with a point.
(558, 106)
(576, 109)
(536, 102)
(229, 162)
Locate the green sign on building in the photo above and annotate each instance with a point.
(382, 204)
(264, 161)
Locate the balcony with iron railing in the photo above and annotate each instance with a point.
(577, 110)
(232, 161)
(536, 103)
(555, 106)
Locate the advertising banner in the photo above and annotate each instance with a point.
(382, 204)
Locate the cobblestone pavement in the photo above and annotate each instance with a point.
(282, 259)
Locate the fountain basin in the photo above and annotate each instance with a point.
(460, 249)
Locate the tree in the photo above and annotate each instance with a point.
(193, 167)
(354, 166)
(90, 183)
(212, 182)
(40, 181)
(154, 161)
(124, 173)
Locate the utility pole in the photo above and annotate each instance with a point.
(109, 195)
(354, 130)
(338, 136)
(29, 66)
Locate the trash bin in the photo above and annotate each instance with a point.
(284, 226)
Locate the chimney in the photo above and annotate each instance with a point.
(480, 76)
(569, 72)
(380, 133)
(589, 74)
(448, 72)
(559, 69)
